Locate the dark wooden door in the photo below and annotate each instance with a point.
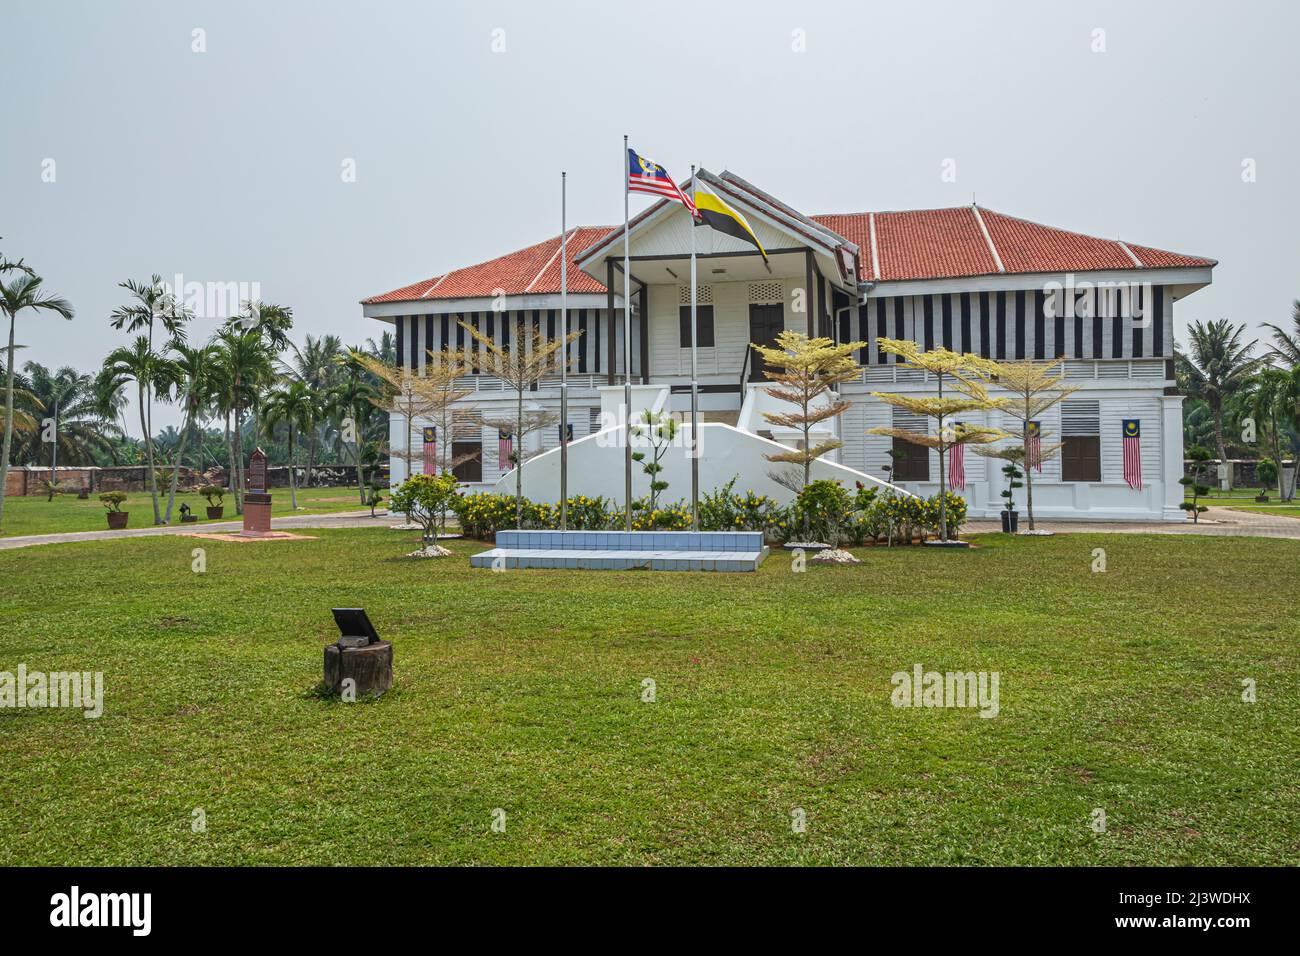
(765, 322)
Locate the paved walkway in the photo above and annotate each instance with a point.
(342, 519)
(1215, 521)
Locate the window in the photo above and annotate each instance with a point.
(471, 469)
(703, 322)
(911, 462)
(1080, 441)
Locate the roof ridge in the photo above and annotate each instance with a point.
(1130, 253)
(997, 259)
(559, 240)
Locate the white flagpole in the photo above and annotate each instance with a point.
(627, 346)
(564, 351)
(695, 386)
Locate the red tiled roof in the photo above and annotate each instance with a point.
(535, 269)
(948, 243)
(919, 244)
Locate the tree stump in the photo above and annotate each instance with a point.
(371, 667)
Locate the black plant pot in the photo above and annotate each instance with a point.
(1010, 521)
(1261, 499)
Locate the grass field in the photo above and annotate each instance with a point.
(523, 691)
(34, 515)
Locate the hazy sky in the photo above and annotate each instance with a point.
(227, 165)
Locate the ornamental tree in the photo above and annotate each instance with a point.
(802, 371)
(425, 499)
(965, 375)
(1034, 389)
(521, 365)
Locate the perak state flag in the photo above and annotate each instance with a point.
(431, 450)
(713, 212)
(1133, 453)
(646, 176)
(505, 447)
(1034, 439)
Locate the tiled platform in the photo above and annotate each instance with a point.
(626, 551)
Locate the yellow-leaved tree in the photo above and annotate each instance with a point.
(961, 380)
(1034, 388)
(802, 371)
(521, 364)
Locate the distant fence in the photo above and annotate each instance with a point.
(1243, 472)
(30, 480)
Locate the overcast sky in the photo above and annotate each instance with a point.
(228, 165)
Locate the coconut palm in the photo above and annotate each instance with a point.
(17, 295)
(1286, 345)
(69, 397)
(315, 365)
(351, 404)
(1275, 400)
(243, 368)
(1217, 365)
(153, 374)
(292, 404)
(195, 390)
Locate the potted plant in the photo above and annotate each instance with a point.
(1199, 456)
(215, 508)
(113, 501)
(1010, 516)
(1266, 472)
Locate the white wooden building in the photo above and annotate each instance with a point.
(967, 278)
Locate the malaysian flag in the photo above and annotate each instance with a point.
(1034, 439)
(505, 447)
(1133, 453)
(431, 450)
(645, 176)
(957, 463)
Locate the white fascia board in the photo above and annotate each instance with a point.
(549, 300)
(1193, 277)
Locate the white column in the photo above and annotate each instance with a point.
(1171, 456)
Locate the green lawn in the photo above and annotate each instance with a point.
(522, 691)
(1289, 511)
(34, 515)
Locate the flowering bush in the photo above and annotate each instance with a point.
(483, 514)
(822, 509)
(725, 510)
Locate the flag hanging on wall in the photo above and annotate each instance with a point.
(1034, 439)
(1133, 453)
(647, 176)
(715, 213)
(957, 464)
(431, 450)
(505, 448)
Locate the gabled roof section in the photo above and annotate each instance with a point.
(950, 243)
(532, 270)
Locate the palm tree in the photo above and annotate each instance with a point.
(315, 365)
(23, 292)
(294, 405)
(152, 374)
(1218, 365)
(195, 389)
(1286, 345)
(69, 396)
(150, 303)
(1274, 402)
(243, 367)
(350, 401)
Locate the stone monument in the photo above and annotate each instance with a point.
(257, 500)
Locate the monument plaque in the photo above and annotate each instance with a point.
(257, 502)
